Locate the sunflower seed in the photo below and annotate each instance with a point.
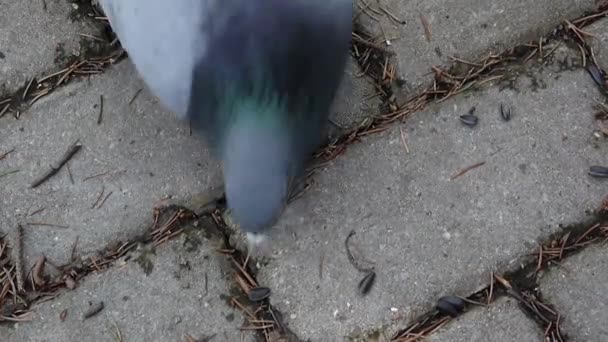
(505, 112)
(365, 285)
(598, 171)
(258, 294)
(93, 310)
(450, 305)
(469, 120)
(597, 75)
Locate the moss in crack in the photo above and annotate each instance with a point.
(516, 77)
(98, 45)
(375, 335)
(144, 259)
(200, 231)
(536, 82)
(565, 57)
(510, 79)
(61, 56)
(374, 64)
(81, 10)
(93, 48)
(86, 49)
(230, 317)
(527, 277)
(192, 240)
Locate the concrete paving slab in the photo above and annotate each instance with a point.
(170, 302)
(147, 154)
(496, 322)
(599, 41)
(37, 37)
(579, 291)
(141, 154)
(355, 100)
(429, 235)
(463, 28)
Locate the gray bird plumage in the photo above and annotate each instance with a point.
(257, 77)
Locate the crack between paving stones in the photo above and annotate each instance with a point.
(169, 222)
(377, 63)
(521, 284)
(96, 55)
(372, 60)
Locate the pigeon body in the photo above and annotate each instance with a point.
(256, 77)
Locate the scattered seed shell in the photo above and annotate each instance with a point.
(450, 305)
(258, 294)
(63, 315)
(597, 75)
(505, 112)
(365, 285)
(598, 171)
(93, 310)
(469, 120)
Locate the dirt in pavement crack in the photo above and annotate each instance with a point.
(95, 56)
(168, 223)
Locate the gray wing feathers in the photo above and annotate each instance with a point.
(166, 39)
(163, 40)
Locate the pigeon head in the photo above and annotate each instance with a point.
(262, 96)
(257, 162)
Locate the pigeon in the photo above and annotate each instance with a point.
(256, 77)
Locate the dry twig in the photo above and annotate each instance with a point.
(72, 150)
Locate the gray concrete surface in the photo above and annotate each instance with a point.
(501, 321)
(579, 291)
(599, 41)
(163, 306)
(37, 36)
(429, 235)
(463, 28)
(355, 100)
(147, 153)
